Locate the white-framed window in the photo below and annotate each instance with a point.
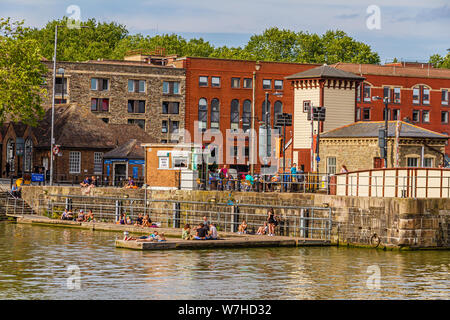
(426, 96)
(99, 84)
(171, 87)
(136, 85)
(425, 116)
(367, 92)
(215, 82)
(445, 97)
(180, 162)
(98, 162)
(428, 162)
(267, 84)
(74, 162)
(278, 84)
(331, 165)
(444, 117)
(397, 95)
(235, 82)
(412, 162)
(203, 81)
(396, 114)
(248, 83)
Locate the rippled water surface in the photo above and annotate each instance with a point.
(34, 262)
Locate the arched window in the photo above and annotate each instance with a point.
(277, 109)
(366, 91)
(10, 151)
(234, 115)
(246, 115)
(215, 113)
(202, 114)
(266, 109)
(28, 156)
(421, 94)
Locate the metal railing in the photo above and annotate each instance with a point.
(304, 222)
(287, 182)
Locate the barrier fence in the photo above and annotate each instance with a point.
(304, 222)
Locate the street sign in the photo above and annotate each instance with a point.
(319, 113)
(283, 119)
(55, 150)
(37, 177)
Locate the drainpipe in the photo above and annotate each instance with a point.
(422, 156)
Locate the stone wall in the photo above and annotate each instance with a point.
(361, 221)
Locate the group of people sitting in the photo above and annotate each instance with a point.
(89, 183)
(130, 184)
(204, 231)
(142, 221)
(154, 236)
(81, 217)
(267, 229)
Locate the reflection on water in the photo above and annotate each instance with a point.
(34, 261)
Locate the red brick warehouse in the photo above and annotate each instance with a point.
(220, 93)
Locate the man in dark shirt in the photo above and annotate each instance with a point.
(201, 232)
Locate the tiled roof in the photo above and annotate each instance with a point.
(129, 150)
(366, 129)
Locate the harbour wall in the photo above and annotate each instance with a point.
(402, 223)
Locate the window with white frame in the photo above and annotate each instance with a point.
(428, 162)
(425, 116)
(136, 85)
(278, 84)
(180, 162)
(445, 97)
(397, 95)
(215, 82)
(98, 162)
(331, 165)
(412, 162)
(74, 162)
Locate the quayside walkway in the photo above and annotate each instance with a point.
(228, 239)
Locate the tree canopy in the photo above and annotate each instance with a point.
(21, 74)
(440, 61)
(113, 41)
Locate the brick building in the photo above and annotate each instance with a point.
(220, 94)
(149, 93)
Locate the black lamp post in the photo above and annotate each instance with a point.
(386, 124)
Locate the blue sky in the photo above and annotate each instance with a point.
(410, 29)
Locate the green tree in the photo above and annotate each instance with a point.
(439, 61)
(97, 41)
(21, 75)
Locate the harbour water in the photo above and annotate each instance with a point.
(38, 262)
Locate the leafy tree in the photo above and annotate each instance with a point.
(21, 74)
(97, 41)
(439, 61)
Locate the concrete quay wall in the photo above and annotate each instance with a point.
(359, 221)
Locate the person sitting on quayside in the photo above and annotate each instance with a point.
(64, 215)
(212, 235)
(201, 232)
(81, 216)
(242, 227)
(130, 183)
(139, 220)
(15, 191)
(70, 215)
(86, 182)
(263, 229)
(186, 233)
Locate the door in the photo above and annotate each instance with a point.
(120, 173)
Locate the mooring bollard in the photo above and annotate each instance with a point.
(234, 219)
(176, 215)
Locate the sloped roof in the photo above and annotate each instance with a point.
(129, 150)
(325, 71)
(370, 129)
(77, 127)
